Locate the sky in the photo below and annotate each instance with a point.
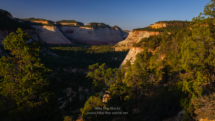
(127, 14)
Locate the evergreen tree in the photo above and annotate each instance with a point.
(210, 9)
(24, 82)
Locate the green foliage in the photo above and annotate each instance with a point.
(179, 74)
(23, 74)
(83, 56)
(171, 26)
(209, 9)
(39, 19)
(68, 118)
(152, 42)
(89, 106)
(70, 71)
(24, 82)
(99, 77)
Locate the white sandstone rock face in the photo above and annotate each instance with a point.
(131, 56)
(135, 36)
(93, 35)
(51, 35)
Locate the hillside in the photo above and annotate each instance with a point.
(157, 28)
(167, 75)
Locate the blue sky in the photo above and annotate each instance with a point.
(127, 14)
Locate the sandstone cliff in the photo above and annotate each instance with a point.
(95, 36)
(51, 35)
(68, 31)
(131, 56)
(134, 37)
(158, 25)
(69, 22)
(8, 24)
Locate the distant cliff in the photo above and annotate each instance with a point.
(73, 31)
(8, 24)
(137, 34)
(95, 36)
(51, 34)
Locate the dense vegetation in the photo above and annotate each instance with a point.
(152, 42)
(24, 93)
(171, 26)
(70, 71)
(29, 78)
(179, 75)
(39, 19)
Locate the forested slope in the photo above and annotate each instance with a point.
(178, 75)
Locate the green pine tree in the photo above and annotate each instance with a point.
(24, 82)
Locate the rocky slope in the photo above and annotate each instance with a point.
(51, 35)
(92, 33)
(95, 36)
(131, 56)
(134, 37)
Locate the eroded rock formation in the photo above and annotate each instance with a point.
(158, 25)
(134, 37)
(95, 36)
(51, 35)
(65, 31)
(131, 56)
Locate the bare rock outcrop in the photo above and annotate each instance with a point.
(69, 22)
(158, 25)
(134, 37)
(42, 21)
(68, 31)
(131, 56)
(91, 35)
(51, 35)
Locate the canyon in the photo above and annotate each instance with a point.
(68, 33)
